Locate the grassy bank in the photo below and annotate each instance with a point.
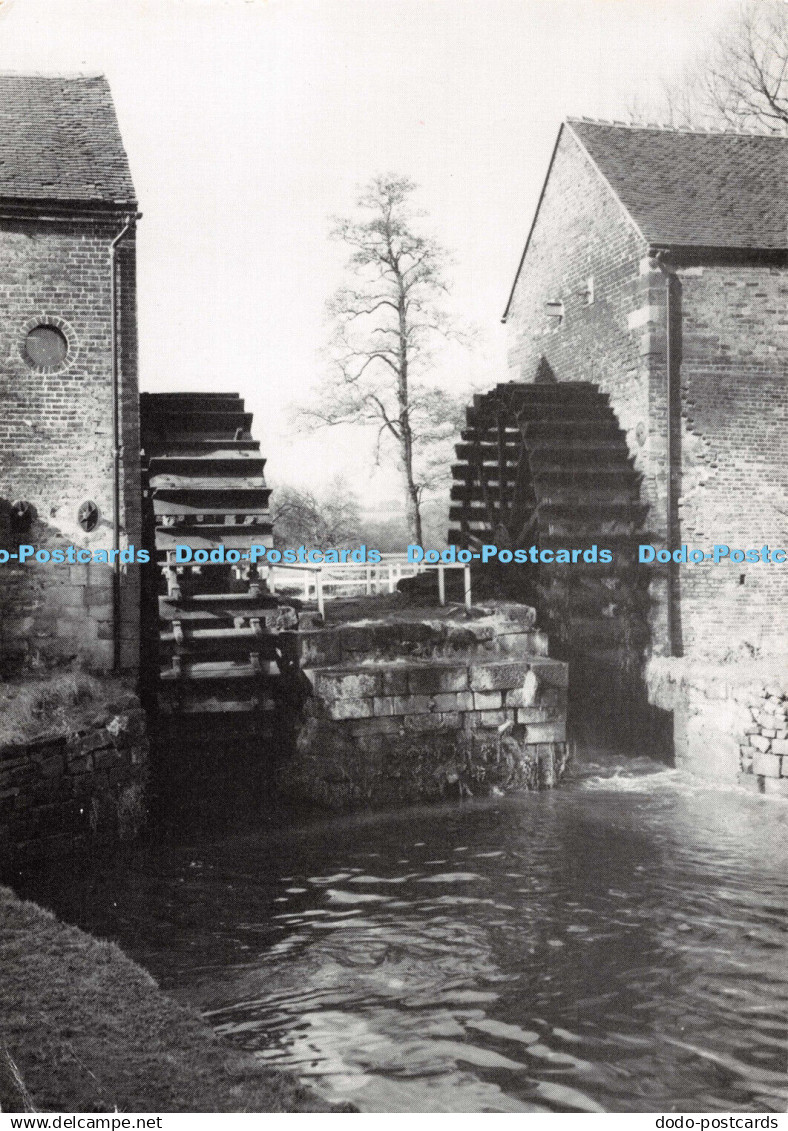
(89, 1030)
(43, 705)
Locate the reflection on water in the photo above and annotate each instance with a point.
(614, 945)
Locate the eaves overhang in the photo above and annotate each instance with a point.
(77, 211)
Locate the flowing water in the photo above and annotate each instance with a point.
(617, 944)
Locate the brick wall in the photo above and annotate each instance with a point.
(734, 448)
(56, 439)
(581, 232)
(734, 454)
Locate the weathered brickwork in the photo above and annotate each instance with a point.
(417, 711)
(56, 443)
(70, 793)
(734, 455)
(733, 471)
(582, 233)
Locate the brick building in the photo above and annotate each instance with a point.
(69, 433)
(657, 268)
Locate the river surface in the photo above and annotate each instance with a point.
(617, 944)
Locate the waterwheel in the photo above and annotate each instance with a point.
(547, 466)
(213, 629)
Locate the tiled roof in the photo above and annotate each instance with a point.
(695, 189)
(59, 141)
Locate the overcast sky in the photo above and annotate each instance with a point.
(249, 122)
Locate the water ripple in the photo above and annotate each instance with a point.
(617, 945)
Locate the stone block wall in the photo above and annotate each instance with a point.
(73, 793)
(730, 720)
(426, 711)
(764, 747)
(57, 612)
(56, 439)
(510, 631)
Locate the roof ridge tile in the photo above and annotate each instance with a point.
(665, 127)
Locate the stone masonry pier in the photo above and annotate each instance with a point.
(415, 710)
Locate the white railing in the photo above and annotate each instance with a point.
(329, 581)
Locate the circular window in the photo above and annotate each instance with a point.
(45, 347)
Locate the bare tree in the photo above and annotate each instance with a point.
(387, 320)
(740, 83)
(325, 520)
